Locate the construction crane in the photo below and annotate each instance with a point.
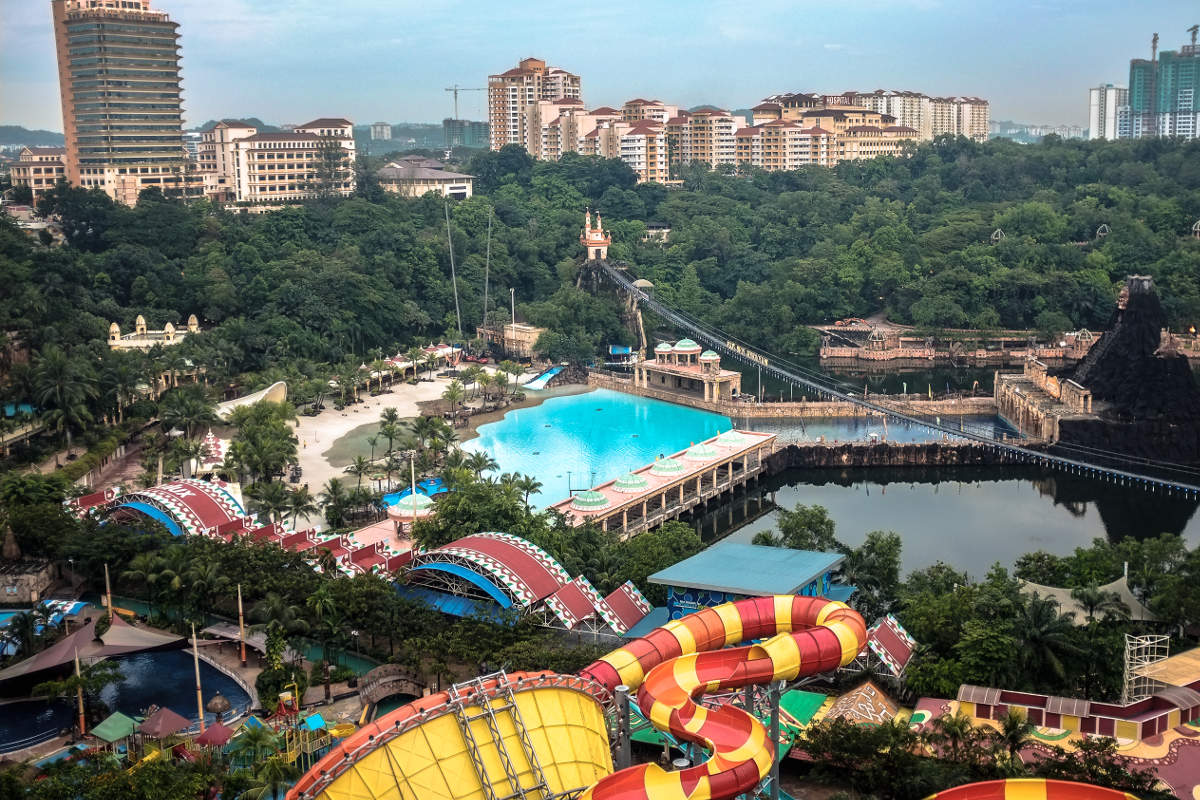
(1192, 30)
(456, 89)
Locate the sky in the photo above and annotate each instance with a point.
(287, 61)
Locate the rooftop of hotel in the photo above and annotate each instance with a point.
(633, 487)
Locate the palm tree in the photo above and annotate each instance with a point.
(500, 379)
(189, 452)
(26, 630)
(301, 503)
(143, 570)
(1044, 638)
(374, 442)
(325, 609)
(271, 776)
(255, 743)
(120, 379)
(470, 377)
(272, 498)
(423, 429)
(206, 580)
(1015, 729)
(391, 432)
(391, 464)
(480, 462)
(483, 382)
(359, 467)
(415, 355)
(454, 394)
(280, 619)
(528, 485)
(442, 438)
(62, 387)
(1100, 604)
(455, 458)
(333, 502)
(953, 730)
(187, 409)
(389, 416)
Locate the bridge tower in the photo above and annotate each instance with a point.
(594, 239)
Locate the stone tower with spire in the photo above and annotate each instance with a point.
(594, 239)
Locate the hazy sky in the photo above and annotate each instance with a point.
(292, 60)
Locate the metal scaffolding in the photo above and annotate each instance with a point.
(1141, 654)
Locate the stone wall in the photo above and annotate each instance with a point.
(916, 404)
(813, 455)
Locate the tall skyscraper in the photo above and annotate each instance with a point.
(511, 93)
(1163, 95)
(1103, 102)
(118, 76)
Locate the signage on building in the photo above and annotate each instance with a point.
(746, 353)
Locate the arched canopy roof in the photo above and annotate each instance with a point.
(524, 572)
(186, 506)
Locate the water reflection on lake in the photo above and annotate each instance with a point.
(968, 517)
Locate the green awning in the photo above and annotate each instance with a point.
(800, 706)
(647, 734)
(116, 727)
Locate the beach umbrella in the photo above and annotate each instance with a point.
(217, 735)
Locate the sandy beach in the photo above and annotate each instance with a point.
(317, 434)
(320, 460)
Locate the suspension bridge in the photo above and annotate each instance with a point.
(1120, 469)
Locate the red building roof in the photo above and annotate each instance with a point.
(195, 506)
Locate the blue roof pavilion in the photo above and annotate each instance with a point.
(734, 570)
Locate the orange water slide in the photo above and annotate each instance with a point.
(673, 664)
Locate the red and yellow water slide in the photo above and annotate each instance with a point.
(687, 657)
(417, 751)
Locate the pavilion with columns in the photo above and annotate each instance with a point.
(683, 368)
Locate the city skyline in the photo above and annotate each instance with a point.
(242, 58)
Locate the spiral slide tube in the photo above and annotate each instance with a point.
(684, 658)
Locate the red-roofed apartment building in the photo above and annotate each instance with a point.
(511, 93)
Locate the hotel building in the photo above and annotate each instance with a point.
(39, 168)
(239, 164)
(118, 74)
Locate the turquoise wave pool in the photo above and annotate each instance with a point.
(580, 440)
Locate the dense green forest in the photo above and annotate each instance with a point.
(757, 254)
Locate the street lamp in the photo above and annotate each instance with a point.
(354, 636)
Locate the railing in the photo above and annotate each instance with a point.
(30, 741)
(784, 371)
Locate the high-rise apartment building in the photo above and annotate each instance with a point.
(118, 75)
(961, 116)
(637, 110)
(511, 93)
(910, 109)
(1103, 102)
(1163, 95)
